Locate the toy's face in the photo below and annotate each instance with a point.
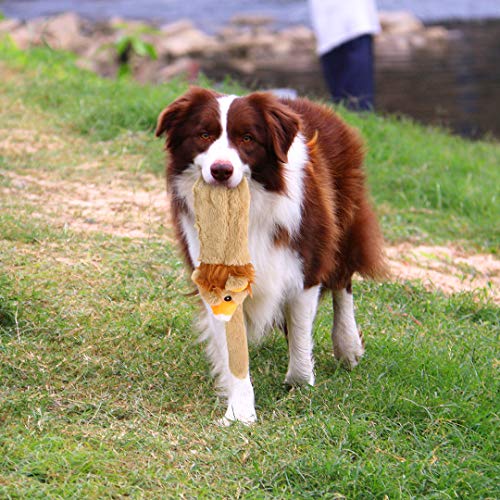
(223, 303)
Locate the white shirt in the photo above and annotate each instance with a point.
(337, 21)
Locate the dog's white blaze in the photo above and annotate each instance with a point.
(221, 150)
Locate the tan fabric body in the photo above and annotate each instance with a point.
(237, 345)
(222, 218)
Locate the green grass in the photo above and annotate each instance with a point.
(104, 391)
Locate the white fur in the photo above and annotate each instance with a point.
(279, 275)
(347, 344)
(300, 314)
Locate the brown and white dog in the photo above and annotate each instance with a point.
(311, 224)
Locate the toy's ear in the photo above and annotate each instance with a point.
(236, 283)
(196, 276)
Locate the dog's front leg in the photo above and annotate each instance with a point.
(300, 313)
(237, 389)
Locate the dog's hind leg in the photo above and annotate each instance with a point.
(300, 313)
(348, 346)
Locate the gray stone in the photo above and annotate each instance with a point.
(9, 25)
(399, 22)
(252, 20)
(186, 67)
(174, 29)
(186, 43)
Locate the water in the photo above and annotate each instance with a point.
(458, 87)
(210, 14)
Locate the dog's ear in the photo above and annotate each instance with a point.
(283, 127)
(281, 121)
(165, 120)
(170, 115)
(176, 111)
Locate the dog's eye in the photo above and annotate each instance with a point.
(228, 298)
(205, 136)
(247, 138)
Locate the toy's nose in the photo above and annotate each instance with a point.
(221, 170)
(225, 308)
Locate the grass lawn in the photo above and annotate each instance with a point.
(104, 392)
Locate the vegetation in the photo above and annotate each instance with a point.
(105, 392)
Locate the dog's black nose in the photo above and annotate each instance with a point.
(221, 171)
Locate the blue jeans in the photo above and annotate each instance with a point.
(348, 71)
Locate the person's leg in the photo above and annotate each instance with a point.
(349, 73)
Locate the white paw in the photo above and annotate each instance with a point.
(348, 349)
(298, 379)
(246, 417)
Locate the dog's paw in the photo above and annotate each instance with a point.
(349, 355)
(294, 379)
(348, 347)
(231, 417)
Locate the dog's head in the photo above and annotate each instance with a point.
(223, 288)
(228, 137)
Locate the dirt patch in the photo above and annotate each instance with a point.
(136, 206)
(16, 142)
(450, 269)
(118, 207)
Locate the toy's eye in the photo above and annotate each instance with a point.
(228, 298)
(205, 136)
(247, 138)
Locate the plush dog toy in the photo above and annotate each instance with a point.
(225, 274)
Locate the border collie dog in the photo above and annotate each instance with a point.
(311, 223)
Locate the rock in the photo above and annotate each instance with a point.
(294, 40)
(392, 46)
(437, 34)
(399, 22)
(240, 44)
(418, 40)
(186, 43)
(100, 56)
(60, 32)
(174, 29)
(24, 37)
(242, 66)
(64, 32)
(299, 35)
(144, 70)
(9, 25)
(251, 20)
(186, 67)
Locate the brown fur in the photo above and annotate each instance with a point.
(340, 234)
